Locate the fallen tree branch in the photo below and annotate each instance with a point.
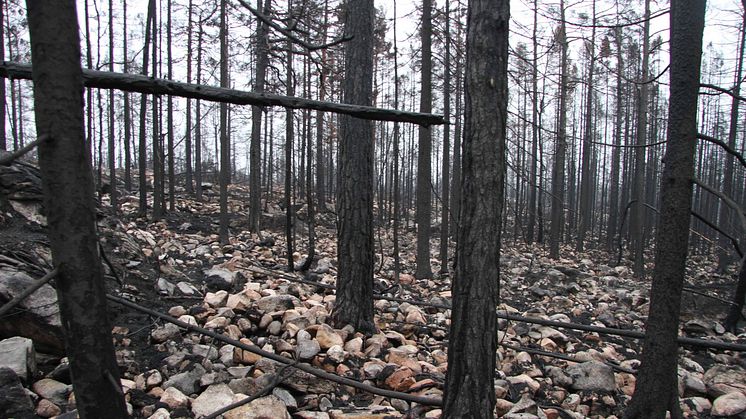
(430, 401)
(10, 158)
(28, 291)
(150, 85)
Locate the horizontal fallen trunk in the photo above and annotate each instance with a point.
(150, 85)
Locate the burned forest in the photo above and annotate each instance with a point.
(339, 209)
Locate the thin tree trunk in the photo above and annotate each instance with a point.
(157, 140)
(142, 156)
(127, 110)
(289, 134)
(224, 145)
(636, 220)
(170, 116)
(424, 149)
(586, 182)
(615, 151)
(558, 170)
(188, 133)
(446, 192)
(112, 142)
(198, 120)
(255, 175)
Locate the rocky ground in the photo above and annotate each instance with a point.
(242, 291)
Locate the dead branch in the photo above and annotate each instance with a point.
(155, 86)
(10, 158)
(725, 147)
(28, 291)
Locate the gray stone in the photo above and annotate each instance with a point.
(52, 390)
(212, 399)
(286, 397)
(37, 316)
(273, 303)
(164, 333)
(219, 278)
(558, 376)
(299, 381)
(18, 354)
(265, 407)
(187, 381)
(164, 287)
(13, 397)
(186, 288)
(307, 349)
(205, 351)
(592, 376)
(730, 404)
(724, 379)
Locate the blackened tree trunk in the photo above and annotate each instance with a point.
(255, 156)
(112, 143)
(354, 303)
(424, 148)
(636, 217)
(558, 169)
(158, 191)
(3, 146)
(586, 178)
(198, 120)
(127, 115)
(170, 115)
(142, 153)
(656, 389)
(469, 390)
(446, 173)
(188, 132)
(725, 216)
(68, 198)
(533, 183)
(397, 157)
(224, 145)
(615, 151)
(289, 137)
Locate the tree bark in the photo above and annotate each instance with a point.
(68, 198)
(255, 152)
(656, 389)
(586, 178)
(354, 303)
(424, 148)
(469, 388)
(224, 146)
(127, 114)
(636, 217)
(142, 155)
(446, 173)
(188, 132)
(558, 169)
(112, 142)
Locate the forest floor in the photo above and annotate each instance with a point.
(243, 291)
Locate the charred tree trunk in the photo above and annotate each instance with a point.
(68, 198)
(469, 388)
(224, 145)
(558, 170)
(142, 153)
(424, 149)
(354, 303)
(255, 152)
(656, 390)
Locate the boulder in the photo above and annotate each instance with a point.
(724, 379)
(219, 278)
(211, 400)
(730, 404)
(37, 316)
(266, 407)
(52, 390)
(592, 376)
(186, 382)
(14, 402)
(17, 353)
(273, 303)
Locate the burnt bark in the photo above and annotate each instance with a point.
(469, 389)
(68, 197)
(354, 303)
(656, 390)
(424, 149)
(255, 156)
